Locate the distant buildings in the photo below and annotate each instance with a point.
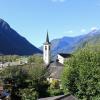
(20, 61)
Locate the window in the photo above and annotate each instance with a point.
(45, 47)
(49, 47)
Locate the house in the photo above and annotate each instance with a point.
(55, 69)
(61, 57)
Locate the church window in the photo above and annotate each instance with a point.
(45, 47)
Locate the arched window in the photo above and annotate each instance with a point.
(49, 47)
(45, 47)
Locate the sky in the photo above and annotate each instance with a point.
(32, 18)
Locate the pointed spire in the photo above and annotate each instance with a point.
(47, 38)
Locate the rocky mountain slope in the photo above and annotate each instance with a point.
(11, 43)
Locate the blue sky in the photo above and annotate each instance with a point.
(32, 18)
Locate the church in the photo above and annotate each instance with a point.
(55, 67)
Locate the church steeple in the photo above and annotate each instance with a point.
(47, 38)
(46, 50)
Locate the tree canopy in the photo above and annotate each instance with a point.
(26, 81)
(81, 75)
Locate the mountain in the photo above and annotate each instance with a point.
(92, 38)
(11, 43)
(65, 44)
(71, 44)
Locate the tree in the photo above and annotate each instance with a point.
(31, 77)
(38, 75)
(9, 58)
(35, 59)
(1, 83)
(15, 79)
(81, 75)
(28, 94)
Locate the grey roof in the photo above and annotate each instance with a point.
(47, 39)
(55, 64)
(61, 97)
(55, 69)
(65, 55)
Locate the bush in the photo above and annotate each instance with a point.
(28, 94)
(54, 84)
(55, 92)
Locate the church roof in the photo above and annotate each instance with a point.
(47, 39)
(65, 55)
(55, 69)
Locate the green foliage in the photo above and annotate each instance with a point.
(19, 79)
(54, 89)
(14, 79)
(55, 92)
(54, 84)
(69, 79)
(35, 59)
(28, 94)
(38, 76)
(9, 58)
(81, 75)
(1, 83)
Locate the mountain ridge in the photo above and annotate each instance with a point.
(12, 43)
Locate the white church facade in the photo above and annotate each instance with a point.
(46, 51)
(61, 57)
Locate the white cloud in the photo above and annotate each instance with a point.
(70, 31)
(94, 28)
(83, 30)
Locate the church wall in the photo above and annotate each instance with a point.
(60, 59)
(46, 54)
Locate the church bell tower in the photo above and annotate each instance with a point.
(46, 51)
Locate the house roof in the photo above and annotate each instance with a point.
(64, 55)
(55, 69)
(61, 97)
